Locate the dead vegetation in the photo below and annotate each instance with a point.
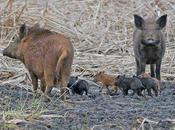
(101, 31)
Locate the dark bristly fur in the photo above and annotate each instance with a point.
(78, 86)
(127, 83)
(149, 44)
(150, 83)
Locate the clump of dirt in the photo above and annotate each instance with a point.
(96, 111)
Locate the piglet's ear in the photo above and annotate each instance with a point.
(139, 21)
(23, 30)
(76, 77)
(162, 21)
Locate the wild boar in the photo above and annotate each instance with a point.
(107, 80)
(127, 83)
(72, 81)
(150, 83)
(47, 55)
(149, 44)
(80, 86)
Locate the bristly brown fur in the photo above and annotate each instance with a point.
(47, 55)
(107, 80)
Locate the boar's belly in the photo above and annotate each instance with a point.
(151, 55)
(151, 60)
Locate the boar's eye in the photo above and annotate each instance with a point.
(13, 38)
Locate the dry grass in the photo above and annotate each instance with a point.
(101, 31)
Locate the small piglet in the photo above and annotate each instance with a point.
(127, 83)
(47, 55)
(107, 81)
(149, 43)
(78, 86)
(150, 83)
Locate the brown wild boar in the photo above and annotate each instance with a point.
(48, 56)
(149, 43)
(107, 80)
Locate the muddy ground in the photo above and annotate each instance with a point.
(93, 112)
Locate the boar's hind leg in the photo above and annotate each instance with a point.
(34, 81)
(49, 80)
(158, 66)
(64, 81)
(43, 85)
(152, 70)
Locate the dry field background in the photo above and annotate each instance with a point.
(101, 31)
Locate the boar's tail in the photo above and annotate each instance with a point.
(60, 65)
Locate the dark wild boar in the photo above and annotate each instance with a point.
(150, 83)
(127, 83)
(48, 56)
(72, 81)
(149, 44)
(107, 80)
(78, 86)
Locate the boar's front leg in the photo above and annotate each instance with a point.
(142, 67)
(158, 66)
(152, 70)
(34, 81)
(138, 67)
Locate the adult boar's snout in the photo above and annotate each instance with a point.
(7, 52)
(151, 42)
(4, 52)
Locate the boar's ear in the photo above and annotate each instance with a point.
(76, 77)
(139, 21)
(162, 21)
(23, 30)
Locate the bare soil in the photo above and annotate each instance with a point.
(96, 111)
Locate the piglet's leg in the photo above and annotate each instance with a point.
(101, 89)
(115, 88)
(108, 90)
